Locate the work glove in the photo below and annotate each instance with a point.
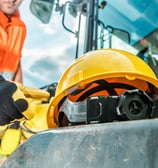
(13, 103)
(10, 139)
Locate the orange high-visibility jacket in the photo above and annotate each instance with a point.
(12, 36)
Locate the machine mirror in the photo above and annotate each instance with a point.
(122, 35)
(42, 9)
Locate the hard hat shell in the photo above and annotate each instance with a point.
(101, 64)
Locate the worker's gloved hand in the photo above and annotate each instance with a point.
(13, 104)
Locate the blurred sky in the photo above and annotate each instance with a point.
(48, 49)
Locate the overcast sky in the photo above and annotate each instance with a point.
(48, 49)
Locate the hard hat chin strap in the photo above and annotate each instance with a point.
(130, 105)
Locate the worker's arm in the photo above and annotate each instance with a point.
(18, 75)
(13, 104)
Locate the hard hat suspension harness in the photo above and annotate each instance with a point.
(132, 104)
(104, 85)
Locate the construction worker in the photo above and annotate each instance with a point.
(12, 36)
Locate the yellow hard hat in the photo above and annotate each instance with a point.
(96, 65)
